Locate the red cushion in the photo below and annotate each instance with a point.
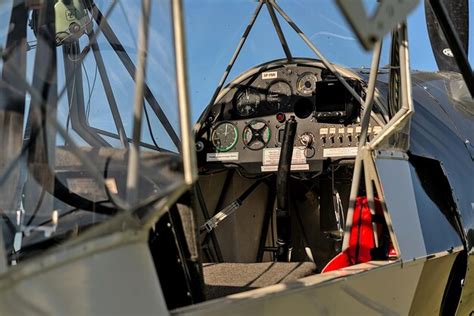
(342, 260)
(361, 240)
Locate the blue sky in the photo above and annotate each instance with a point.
(214, 28)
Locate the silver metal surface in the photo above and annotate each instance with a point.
(388, 289)
(364, 127)
(387, 15)
(369, 100)
(402, 117)
(112, 276)
(390, 154)
(395, 177)
(466, 304)
(187, 140)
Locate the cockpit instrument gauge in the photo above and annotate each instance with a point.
(306, 83)
(256, 135)
(279, 95)
(246, 101)
(224, 136)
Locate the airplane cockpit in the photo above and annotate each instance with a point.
(248, 119)
(272, 175)
(254, 120)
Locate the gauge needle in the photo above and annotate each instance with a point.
(225, 133)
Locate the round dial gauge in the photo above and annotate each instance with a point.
(246, 101)
(256, 135)
(279, 95)
(306, 84)
(224, 136)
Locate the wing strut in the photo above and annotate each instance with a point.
(277, 26)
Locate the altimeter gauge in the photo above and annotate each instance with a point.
(246, 101)
(256, 135)
(306, 83)
(279, 95)
(224, 136)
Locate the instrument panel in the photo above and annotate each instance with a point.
(249, 120)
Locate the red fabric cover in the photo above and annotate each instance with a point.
(361, 240)
(342, 260)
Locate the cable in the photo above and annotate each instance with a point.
(150, 130)
(68, 119)
(87, 78)
(302, 176)
(91, 91)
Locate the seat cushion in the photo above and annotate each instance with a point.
(229, 278)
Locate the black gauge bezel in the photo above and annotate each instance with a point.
(234, 143)
(265, 144)
(255, 106)
(284, 106)
(300, 77)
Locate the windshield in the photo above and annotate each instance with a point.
(66, 104)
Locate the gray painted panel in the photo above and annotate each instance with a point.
(118, 281)
(399, 196)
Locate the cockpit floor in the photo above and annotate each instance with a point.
(229, 278)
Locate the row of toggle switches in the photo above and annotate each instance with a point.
(337, 136)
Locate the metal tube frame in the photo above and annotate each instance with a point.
(121, 53)
(187, 139)
(140, 77)
(117, 201)
(22, 84)
(365, 155)
(231, 63)
(279, 31)
(115, 136)
(406, 110)
(108, 90)
(323, 59)
(75, 94)
(364, 127)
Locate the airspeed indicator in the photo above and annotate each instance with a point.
(224, 136)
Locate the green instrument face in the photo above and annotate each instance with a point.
(224, 137)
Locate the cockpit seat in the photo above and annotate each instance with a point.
(223, 279)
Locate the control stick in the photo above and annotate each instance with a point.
(284, 246)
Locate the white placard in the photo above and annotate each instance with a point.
(271, 156)
(230, 156)
(340, 152)
(269, 75)
(293, 168)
